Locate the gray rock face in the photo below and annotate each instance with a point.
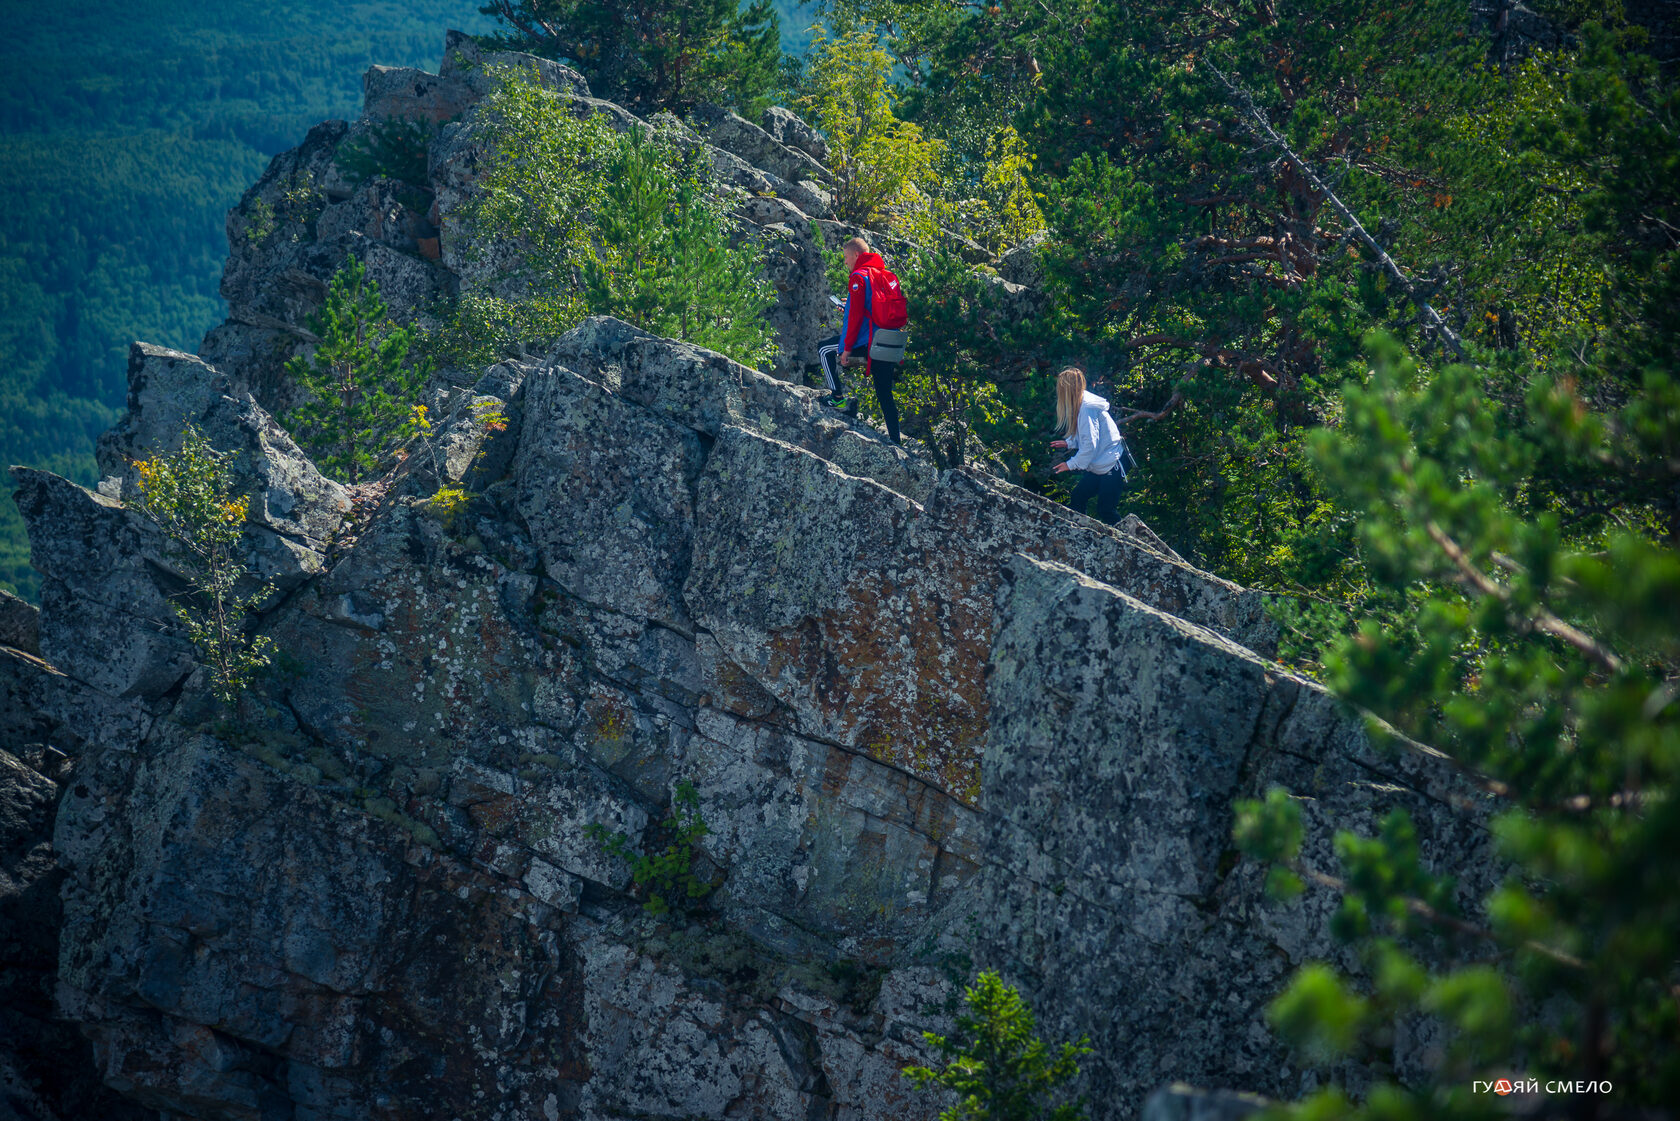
(294, 228)
(414, 95)
(294, 510)
(741, 137)
(464, 59)
(785, 127)
(104, 619)
(1183, 1103)
(46, 1067)
(20, 625)
(927, 718)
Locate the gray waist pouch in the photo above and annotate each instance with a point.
(887, 345)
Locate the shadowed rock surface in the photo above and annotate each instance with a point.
(935, 724)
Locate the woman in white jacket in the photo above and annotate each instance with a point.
(1095, 441)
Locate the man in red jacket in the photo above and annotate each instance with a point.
(873, 299)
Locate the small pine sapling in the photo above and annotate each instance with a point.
(997, 1063)
(359, 377)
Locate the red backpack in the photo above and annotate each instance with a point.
(886, 306)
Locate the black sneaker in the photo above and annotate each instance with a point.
(851, 408)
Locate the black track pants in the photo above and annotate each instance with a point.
(884, 375)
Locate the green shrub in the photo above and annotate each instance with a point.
(877, 159)
(626, 226)
(999, 1067)
(664, 876)
(189, 495)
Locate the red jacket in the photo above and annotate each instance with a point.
(873, 299)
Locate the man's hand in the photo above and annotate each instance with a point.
(848, 360)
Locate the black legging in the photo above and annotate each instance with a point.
(1107, 489)
(884, 374)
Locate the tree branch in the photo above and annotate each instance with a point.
(1143, 414)
(1440, 918)
(1257, 370)
(1539, 619)
(1258, 126)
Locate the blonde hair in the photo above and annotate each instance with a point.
(1070, 394)
(858, 245)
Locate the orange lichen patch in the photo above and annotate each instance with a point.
(899, 672)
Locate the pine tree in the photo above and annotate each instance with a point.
(359, 379)
(650, 55)
(663, 259)
(998, 1065)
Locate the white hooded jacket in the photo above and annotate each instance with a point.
(1096, 441)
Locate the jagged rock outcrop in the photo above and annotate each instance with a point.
(20, 626)
(297, 224)
(934, 723)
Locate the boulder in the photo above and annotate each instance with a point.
(733, 133)
(1022, 264)
(408, 94)
(294, 510)
(1119, 737)
(464, 61)
(785, 127)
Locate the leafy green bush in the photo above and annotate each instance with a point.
(628, 226)
(877, 159)
(189, 495)
(543, 175)
(664, 876)
(999, 1067)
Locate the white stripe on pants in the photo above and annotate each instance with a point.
(829, 356)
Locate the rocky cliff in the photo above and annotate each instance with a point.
(935, 724)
